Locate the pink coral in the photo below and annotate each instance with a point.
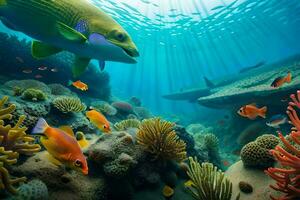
(288, 177)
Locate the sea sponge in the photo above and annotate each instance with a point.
(128, 123)
(123, 106)
(34, 95)
(208, 182)
(67, 104)
(33, 190)
(254, 155)
(245, 187)
(159, 139)
(168, 191)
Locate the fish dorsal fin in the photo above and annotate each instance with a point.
(80, 65)
(70, 33)
(68, 130)
(253, 104)
(42, 50)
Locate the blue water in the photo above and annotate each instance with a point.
(182, 41)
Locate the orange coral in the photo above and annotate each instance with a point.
(288, 177)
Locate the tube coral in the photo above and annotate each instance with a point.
(288, 177)
(208, 183)
(159, 139)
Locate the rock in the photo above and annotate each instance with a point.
(62, 183)
(255, 177)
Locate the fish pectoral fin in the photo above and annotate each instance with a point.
(68, 130)
(3, 3)
(70, 33)
(80, 65)
(101, 64)
(42, 50)
(7, 23)
(53, 160)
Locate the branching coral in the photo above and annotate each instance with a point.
(128, 123)
(13, 140)
(288, 176)
(67, 104)
(208, 182)
(159, 138)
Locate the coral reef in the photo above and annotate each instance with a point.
(58, 89)
(287, 176)
(116, 153)
(13, 141)
(142, 113)
(28, 84)
(33, 190)
(208, 182)
(34, 95)
(159, 139)
(123, 106)
(256, 154)
(66, 104)
(128, 123)
(104, 107)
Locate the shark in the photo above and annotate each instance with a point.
(76, 26)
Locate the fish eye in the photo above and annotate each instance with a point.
(78, 163)
(120, 36)
(104, 126)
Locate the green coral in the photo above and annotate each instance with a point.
(67, 104)
(256, 154)
(34, 95)
(17, 91)
(209, 183)
(128, 123)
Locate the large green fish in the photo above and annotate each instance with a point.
(76, 26)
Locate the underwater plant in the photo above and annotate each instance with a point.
(34, 95)
(287, 176)
(159, 139)
(67, 104)
(128, 123)
(208, 183)
(13, 141)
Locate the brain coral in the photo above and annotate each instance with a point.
(67, 104)
(159, 138)
(254, 155)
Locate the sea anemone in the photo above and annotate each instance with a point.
(67, 104)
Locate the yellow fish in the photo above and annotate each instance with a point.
(99, 120)
(62, 145)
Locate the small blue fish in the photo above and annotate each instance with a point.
(277, 120)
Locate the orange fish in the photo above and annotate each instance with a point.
(251, 111)
(79, 85)
(62, 145)
(98, 120)
(279, 81)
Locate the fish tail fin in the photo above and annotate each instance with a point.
(70, 83)
(263, 112)
(288, 77)
(40, 126)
